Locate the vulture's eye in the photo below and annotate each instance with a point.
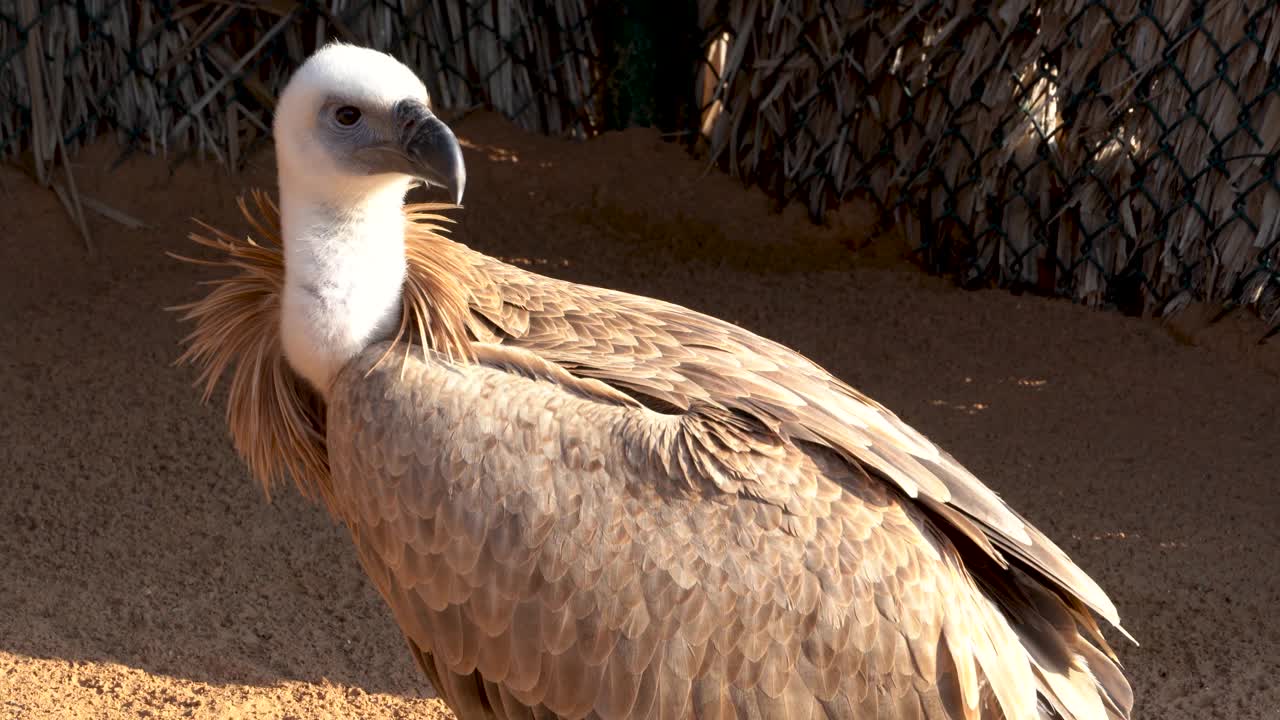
(347, 115)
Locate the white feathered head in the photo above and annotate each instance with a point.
(353, 118)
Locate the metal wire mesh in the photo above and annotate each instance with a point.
(1120, 152)
(183, 76)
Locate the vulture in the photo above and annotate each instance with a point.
(583, 503)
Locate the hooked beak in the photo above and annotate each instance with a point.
(424, 148)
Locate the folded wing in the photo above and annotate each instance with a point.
(550, 547)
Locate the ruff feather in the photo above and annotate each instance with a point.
(277, 421)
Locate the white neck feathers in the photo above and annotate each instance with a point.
(344, 272)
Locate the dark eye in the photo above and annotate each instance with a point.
(347, 115)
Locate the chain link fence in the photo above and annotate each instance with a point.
(1119, 152)
(182, 77)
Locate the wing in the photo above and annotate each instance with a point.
(553, 549)
(677, 357)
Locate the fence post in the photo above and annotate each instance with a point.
(650, 58)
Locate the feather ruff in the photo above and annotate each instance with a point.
(277, 421)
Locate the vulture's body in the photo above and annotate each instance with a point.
(583, 503)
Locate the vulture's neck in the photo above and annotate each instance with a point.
(344, 272)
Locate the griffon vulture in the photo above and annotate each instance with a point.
(583, 503)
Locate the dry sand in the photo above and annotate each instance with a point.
(143, 575)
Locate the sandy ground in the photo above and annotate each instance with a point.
(143, 575)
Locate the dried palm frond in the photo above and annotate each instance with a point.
(1122, 152)
(167, 76)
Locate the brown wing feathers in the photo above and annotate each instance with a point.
(679, 357)
(601, 587)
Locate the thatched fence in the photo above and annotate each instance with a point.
(1120, 152)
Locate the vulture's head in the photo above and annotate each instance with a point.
(353, 121)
